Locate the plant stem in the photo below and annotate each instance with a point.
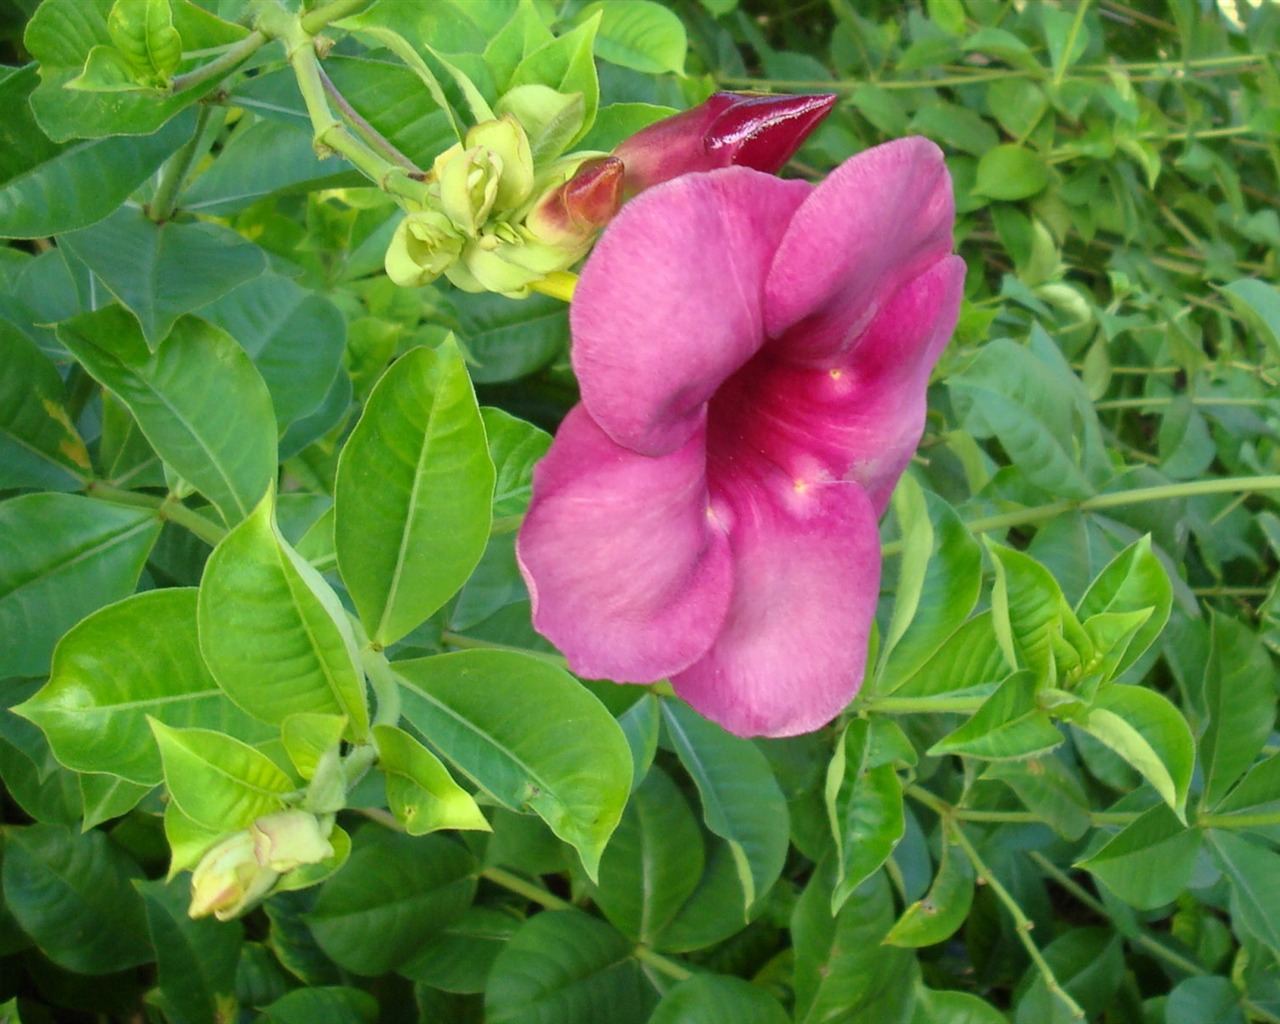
(168, 508)
(1072, 35)
(176, 169)
(368, 133)
(940, 704)
(1022, 923)
(221, 66)
(317, 20)
(505, 524)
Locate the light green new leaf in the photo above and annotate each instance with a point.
(1133, 581)
(1148, 732)
(741, 800)
(133, 660)
(218, 782)
(107, 796)
(567, 966)
(643, 36)
(143, 33)
(172, 269)
(653, 862)
(718, 999)
(420, 791)
(864, 805)
(523, 33)
(566, 65)
(1010, 725)
(197, 398)
(187, 840)
(1030, 615)
(515, 447)
(61, 557)
(1011, 172)
(274, 633)
(40, 448)
(1254, 874)
(529, 734)
(1240, 699)
(917, 537)
(47, 188)
(936, 916)
(395, 893)
(1259, 303)
(71, 894)
(413, 499)
(1126, 862)
(969, 659)
(309, 739)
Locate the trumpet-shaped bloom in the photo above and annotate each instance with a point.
(753, 355)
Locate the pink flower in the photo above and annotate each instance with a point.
(753, 355)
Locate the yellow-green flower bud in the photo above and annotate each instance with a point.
(288, 839)
(424, 244)
(506, 139)
(507, 260)
(468, 181)
(229, 879)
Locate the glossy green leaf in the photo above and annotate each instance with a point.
(653, 862)
(1133, 581)
(420, 791)
(514, 446)
(274, 633)
(1011, 172)
(566, 65)
(718, 999)
(970, 659)
(395, 893)
(310, 739)
(197, 398)
(295, 337)
(1257, 793)
(842, 970)
(506, 340)
(714, 911)
(461, 956)
(143, 33)
(1010, 725)
(864, 805)
(35, 781)
(1088, 963)
(414, 493)
(1259, 302)
(1050, 789)
(1254, 873)
(195, 960)
(173, 268)
(107, 796)
(917, 538)
(133, 660)
(1204, 1000)
(523, 730)
(567, 966)
(1240, 700)
(643, 36)
(62, 557)
(40, 448)
(1149, 733)
(741, 801)
(48, 188)
(951, 1006)
(940, 913)
(1125, 862)
(218, 782)
(1029, 611)
(324, 1004)
(70, 892)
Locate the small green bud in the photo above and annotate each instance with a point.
(468, 182)
(288, 839)
(424, 244)
(229, 878)
(506, 139)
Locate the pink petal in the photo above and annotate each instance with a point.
(629, 577)
(793, 648)
(669, 304)
(860, 420)
(877, 221)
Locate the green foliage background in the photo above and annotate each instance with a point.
(1058, 795)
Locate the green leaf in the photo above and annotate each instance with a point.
(324, 1004)
(143, 33)
(643, 36)
(653, 862)
(718, 999)
(1204, 999)
(1010, 725)
(1050, 789)
(969, 660)
(1125, 862)
(71, 894)
(108, 796)
(515, 447)
(940, 913)
(842, 970)
(619, 121)
(133, 660)
(566, 65)
(48, 188)
(197, 398)
(40, 448)
(523, 730)
(1254, 874)
(1088, 963)
(295, 337)
(505, 340)
(172, 268)
(460, 957)
(864, 805)
(420, 791)
(414, 493)
(1133, 581)
(62, 557)
(395, 893)
(1029, 611)
(951, 1006)
(1259, 303)
(195, 960)
(218, 782)
(309, 739)
(741, 801)
(567, 966)
(523, 33)
(1240, 700)
(714, 911)
(1148, 732)
(274, 633)
(1011, 172)
(1258, 793)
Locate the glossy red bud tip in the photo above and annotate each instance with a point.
(574, 212)
(728, 129)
